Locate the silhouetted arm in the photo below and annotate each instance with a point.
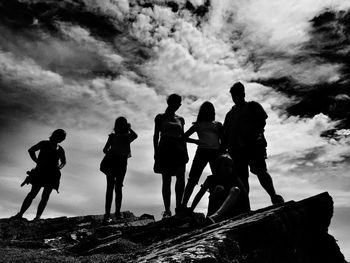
(34, 149)
(133, 134)
(189, 132)
(108, 145)
(156, 134)
(62, 159)
(260, 120)
(221, 137)
(224, 135)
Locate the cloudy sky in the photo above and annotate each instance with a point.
(80, 79)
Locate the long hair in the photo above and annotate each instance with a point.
(206, 112)
(121, 125)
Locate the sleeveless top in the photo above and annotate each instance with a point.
(209, 134)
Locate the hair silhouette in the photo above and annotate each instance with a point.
(206, 112)
(237, 88)
(121, 125)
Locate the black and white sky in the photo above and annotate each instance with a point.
(78, 65)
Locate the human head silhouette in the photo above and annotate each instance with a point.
(174, 102)
(237, 93)
(206, 112)
(223, 166)
(121, 125)
(58, 136)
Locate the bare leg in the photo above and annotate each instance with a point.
(227, 206)
(29, 198)
(179, 186)
(216, 199)
(200, 160)
(166, 191)
(109, 194)
(266, 182)
(118, 199)
(43, 202)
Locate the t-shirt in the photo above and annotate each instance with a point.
(170, 125)
(244, 126)
(49, 155)
(208, 134)
(47, 173)
(120, 144)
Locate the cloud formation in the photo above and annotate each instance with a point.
(76, 79)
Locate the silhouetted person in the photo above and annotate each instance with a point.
(46, 174)
(228, 197)
(117, 150)
(244, 137)
(170, 152)
(209, 134)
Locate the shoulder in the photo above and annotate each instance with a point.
(159, 117)
(253, 103)
(256, 106)
(43, 143)
(231, 111)
(60, 149)
(228, 114)
(181, 119)
(217, 124)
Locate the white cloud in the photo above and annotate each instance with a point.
(190, 60)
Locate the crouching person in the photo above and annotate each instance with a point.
(228, 196)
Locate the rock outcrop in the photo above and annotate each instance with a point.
(291, 232)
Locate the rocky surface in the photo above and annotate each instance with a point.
(292, 232)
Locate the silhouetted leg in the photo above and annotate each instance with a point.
(118, 199)
(109, 194)
(216, 199)
(29, 198)
(43, 202)
(166, 190)
(119, 179)
(179, 186)
(243, 204)
(267, 183)
(198, 165)
(258, 167)
(228, 205)
(241, 167)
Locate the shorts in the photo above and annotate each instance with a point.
(254, 160)
(118, 170)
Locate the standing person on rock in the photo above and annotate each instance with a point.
(50, 160)
(170, 152)
(209, 133)
(244, 138)
(114, 164)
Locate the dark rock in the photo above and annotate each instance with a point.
(290, 232)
